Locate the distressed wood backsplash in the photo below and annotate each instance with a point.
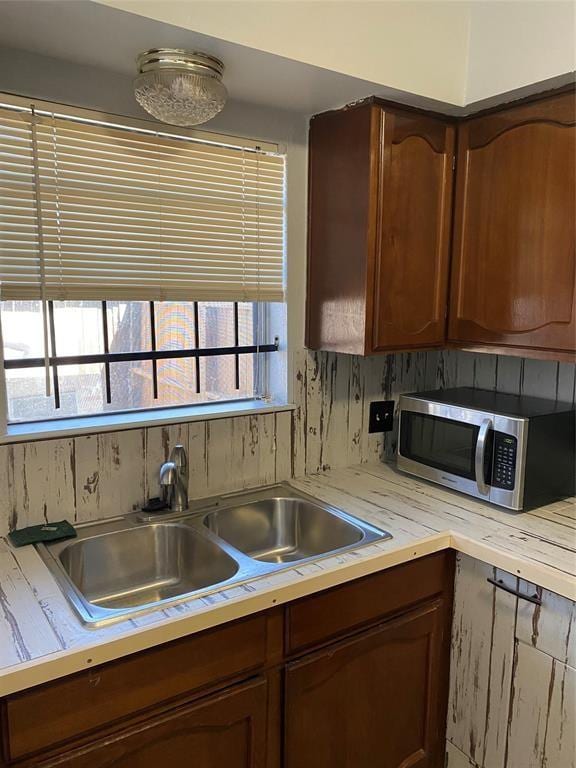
(104, 475)
(334, 392)
(95, 476)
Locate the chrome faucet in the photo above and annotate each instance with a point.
(174, 480)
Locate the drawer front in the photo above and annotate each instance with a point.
(549, 627)
(320, 618)
(59, 711)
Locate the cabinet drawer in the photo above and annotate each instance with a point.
(320, 618)
(550, 627)
(56, 712)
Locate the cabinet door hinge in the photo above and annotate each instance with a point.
(453, 162)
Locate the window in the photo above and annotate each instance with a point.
(138, 269)
(121, 356)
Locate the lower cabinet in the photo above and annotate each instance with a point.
(372, 700)
(351, 677)
(225, 731)
(512, 697)
(364, 675)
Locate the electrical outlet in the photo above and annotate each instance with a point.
(381, 416)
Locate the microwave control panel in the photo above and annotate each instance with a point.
(504, 469)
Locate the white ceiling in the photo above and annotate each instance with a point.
(90, 34)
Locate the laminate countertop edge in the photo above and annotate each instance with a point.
(375, 493)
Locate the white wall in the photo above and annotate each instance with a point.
(458, 52)
(513, 44)
(417, 46)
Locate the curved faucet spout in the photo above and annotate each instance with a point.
(174, 480)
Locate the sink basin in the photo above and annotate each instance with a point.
(283, 530)
(143, 565)
(122, 571)
(122, 567)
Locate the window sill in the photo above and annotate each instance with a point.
(116, 422)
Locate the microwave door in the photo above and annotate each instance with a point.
(448, 449)
(446, 445)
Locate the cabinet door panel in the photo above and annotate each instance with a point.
(375, 701)
(227, 730)
(412, 262)
(481, 662)
(543, 711)
(514, 238)
(511, 704)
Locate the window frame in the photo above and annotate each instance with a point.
(71, 427)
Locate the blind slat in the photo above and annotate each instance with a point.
(129, 216)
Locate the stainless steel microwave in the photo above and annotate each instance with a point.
(514, 451)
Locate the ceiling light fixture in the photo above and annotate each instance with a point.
(180, 87)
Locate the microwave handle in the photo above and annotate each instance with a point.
(485, 427)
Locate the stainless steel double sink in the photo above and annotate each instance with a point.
(128, 565)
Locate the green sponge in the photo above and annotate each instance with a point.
(46, 532)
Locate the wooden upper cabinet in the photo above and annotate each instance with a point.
(412, 256)
(379, 229)
(513, 278)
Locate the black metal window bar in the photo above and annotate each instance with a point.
(107, 357)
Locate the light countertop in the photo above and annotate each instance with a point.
(41, 637)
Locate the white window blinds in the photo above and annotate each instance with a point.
(94, 211)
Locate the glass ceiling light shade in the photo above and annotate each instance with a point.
(180, 87)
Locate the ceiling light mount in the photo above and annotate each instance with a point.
(180, 87)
